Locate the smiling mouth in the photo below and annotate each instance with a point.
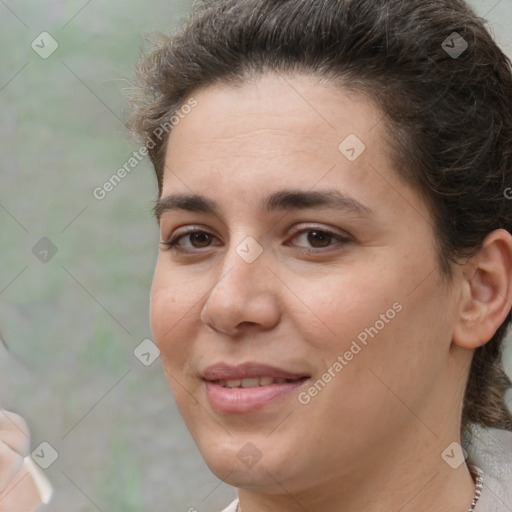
(249, 386)
(255, 382)
(250, 394)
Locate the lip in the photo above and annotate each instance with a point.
(241, 400)
(223, 371)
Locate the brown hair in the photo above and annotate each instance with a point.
(448, 108)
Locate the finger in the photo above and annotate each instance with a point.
(41, 482)
(14, 432)
(10, 464)
(25, 491)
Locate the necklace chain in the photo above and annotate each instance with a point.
(477, 473)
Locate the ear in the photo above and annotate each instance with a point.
(487, 291)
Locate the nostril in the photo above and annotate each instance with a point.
(218, 329)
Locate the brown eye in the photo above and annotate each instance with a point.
(196, 240)
(201, 238)
(319, 239)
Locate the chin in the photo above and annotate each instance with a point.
(252, 465)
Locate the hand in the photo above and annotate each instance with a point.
(23, 487)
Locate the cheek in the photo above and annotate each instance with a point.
(169, 306)
(345, 305)
(163, 312)
(376, 316)
(169, 324)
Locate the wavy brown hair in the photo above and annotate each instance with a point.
(449, 116)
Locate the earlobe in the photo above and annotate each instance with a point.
(486, 296)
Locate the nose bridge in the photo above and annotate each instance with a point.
(241, 293)
(243, 267)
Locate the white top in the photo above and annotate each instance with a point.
(232, 507)
(491, 451)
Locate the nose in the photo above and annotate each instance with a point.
(243, 297)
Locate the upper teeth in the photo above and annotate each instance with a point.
(252, 382)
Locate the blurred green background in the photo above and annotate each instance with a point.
(73, 322)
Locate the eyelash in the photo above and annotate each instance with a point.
(173, 243)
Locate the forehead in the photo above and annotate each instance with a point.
(277, 131)
(278, 107)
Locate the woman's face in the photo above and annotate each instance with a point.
(303, 325)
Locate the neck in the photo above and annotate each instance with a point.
(409, 477)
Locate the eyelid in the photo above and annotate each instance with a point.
(301, 228)
(187, 230)
(172, 243)
(342, 238)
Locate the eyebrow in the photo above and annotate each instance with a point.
(281, 200)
